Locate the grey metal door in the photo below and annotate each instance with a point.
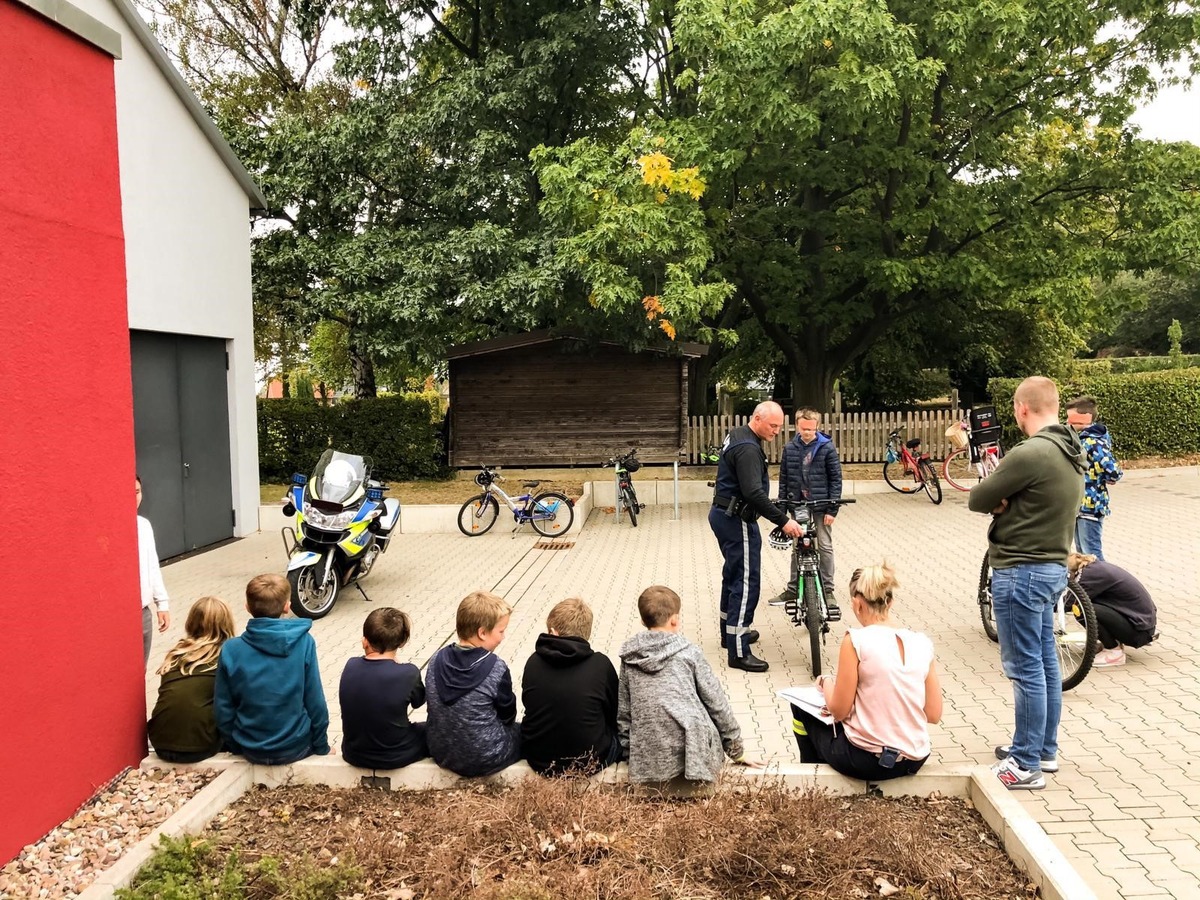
(181, 431)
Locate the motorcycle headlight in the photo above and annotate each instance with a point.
(334, 522)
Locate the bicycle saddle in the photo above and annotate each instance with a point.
(913, 444)
(530, 484)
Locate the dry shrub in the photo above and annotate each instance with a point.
(569, 838)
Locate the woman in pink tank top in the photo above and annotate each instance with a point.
(884, 697)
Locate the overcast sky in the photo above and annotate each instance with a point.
(1173, 116)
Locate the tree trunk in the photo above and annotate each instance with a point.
(361, 367)
(814, 387)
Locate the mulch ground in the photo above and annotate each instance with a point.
(558, 838)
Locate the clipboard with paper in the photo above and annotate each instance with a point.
(810, 699)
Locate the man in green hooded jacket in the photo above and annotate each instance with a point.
(1033, 498)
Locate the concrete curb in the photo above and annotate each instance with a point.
(1023, 839)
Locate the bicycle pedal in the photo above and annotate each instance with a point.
(792, 608)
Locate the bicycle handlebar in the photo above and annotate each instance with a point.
(814, 504)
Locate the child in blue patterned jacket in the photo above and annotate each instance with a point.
(1102, 470)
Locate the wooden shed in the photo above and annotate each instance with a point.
(552, 399)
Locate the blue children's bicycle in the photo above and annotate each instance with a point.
(550, 513)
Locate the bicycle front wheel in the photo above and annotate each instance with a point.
(630, 502)
(898, 478)
(929, 481)
(957, 470)
(478, 515)
(1075, 634)
(984, 597)
(812, 620)
(551, 514)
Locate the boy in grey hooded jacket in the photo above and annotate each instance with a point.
(672, 717)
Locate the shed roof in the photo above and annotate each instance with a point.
(549, 335)
(86, 27)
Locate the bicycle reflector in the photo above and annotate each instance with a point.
(778, 540)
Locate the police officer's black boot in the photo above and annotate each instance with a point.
(748, 663)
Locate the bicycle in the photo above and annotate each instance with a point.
(978, 449)
(913, 463)
(1075, 628)
(710, 455)
(550, 513)
(808, 609)
(623, 467)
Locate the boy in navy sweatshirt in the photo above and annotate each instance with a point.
(472, 727)
(268, 700)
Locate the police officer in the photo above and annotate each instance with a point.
(741, 496)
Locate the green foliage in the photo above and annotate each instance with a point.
(1175, 336)
(400, 432)
(1149, 413)
(189, 869)
(1140, 309)
(1125, 365)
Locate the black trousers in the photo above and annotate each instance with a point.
(1114, 628)
(821, 745)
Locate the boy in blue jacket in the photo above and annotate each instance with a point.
(268, 700)
(811, 470)
(1102, 470)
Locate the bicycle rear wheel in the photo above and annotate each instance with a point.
(929, 481)
(630, 502)
(812, 620)
(478, 515)
(1075, 634)
(899, 479)
(957, 470)
(551, 514)
(986, 615)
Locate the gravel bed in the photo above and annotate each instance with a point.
(68, 859)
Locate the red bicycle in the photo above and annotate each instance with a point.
(904, 460)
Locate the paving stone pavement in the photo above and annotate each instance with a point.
(1125, 807)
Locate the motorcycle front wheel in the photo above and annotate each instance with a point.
(311, 600)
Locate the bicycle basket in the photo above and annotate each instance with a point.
(632, 465)
(957, 436)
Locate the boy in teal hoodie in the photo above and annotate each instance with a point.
(268, 700)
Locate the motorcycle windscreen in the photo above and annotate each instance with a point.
(339, 476)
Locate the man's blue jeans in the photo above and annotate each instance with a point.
(1023, 599)
(1088, 534)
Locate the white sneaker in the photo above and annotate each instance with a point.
(1106, 658)
(1013, 777)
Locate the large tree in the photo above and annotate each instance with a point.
(867, 163)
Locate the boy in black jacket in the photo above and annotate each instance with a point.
(570, 697)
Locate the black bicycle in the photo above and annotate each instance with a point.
(624, 467)
(809, 608)
(1075, 628)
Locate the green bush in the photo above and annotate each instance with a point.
(1126, 365)
(1149, 413)
(402, 433)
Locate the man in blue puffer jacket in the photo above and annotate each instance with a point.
(811, 470)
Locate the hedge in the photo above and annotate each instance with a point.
(1149, 413)
(1124, 365)
(403, 434)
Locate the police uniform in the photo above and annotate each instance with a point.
(740, 497)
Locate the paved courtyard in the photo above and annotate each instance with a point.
(1125, 807)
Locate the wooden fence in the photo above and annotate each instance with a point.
(859, 437)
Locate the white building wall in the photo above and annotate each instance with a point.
(187, 239)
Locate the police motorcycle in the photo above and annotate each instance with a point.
(343, 523)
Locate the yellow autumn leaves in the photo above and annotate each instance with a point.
(658, 174)
(654, 310)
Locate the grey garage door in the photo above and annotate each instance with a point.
(181, 429)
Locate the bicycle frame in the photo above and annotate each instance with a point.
(622, 482)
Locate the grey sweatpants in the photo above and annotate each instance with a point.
(147, 632)
(825, 548)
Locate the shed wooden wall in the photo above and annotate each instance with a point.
(552, 405)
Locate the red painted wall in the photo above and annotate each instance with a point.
(72, 703)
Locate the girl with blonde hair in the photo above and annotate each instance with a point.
(884, 696)
(182, 727)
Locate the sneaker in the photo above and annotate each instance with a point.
(1106, 658)
(1013, 777)
(783, 599)
(1049, 766)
